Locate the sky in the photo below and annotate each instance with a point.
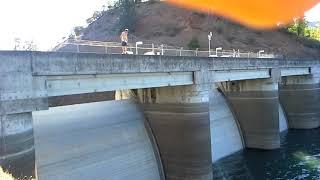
(43, 21)
(46, 22)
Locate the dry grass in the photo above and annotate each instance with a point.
(161, 23)
(5, 175)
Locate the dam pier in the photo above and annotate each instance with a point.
(186, 112)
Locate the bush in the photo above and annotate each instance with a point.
(96, 15)
(201, 15)
(194, 43)
(172, 31)
(78, 30)
(311, 43)
(219, 30)
(230, 39)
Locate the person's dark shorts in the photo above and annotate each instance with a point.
(124, 43)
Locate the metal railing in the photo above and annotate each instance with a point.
(100, 47)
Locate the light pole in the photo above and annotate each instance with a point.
(162, 51)
(138, 43)
(209, 38)
(259, 53)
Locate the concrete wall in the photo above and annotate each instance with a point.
(17, 145)
(81, 98)
(17, 101)
(256, 105)
(225, 134)
(53, 63)
(105, 140)
(300, 96)
(179, 118)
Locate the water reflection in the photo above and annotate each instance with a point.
(298, 158)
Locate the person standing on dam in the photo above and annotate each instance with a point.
(124, 41)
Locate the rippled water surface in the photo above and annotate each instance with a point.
(298, 158)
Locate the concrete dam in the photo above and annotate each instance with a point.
(172, 117)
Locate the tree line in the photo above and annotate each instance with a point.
(301, 28)
(127, 18)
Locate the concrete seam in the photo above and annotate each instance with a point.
(75, 63)
(285, 114)
(3, 143)
(302, 114)
(17, 154)
(1, 136)
(32, 63)
(240, 98)
(293, 90)
(156, 150)
(154, 142)
(174, 113)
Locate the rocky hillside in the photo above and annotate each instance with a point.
(160, 22)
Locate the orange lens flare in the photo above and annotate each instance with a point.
(259, 14)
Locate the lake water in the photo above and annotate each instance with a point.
(298, 158)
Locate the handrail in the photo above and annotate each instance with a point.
(161, 50)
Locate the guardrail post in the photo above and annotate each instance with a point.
(162, 51)
(181, 51)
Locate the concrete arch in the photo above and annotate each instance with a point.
(300, 96)
(93, 141)
(256, 107)
(226, 134)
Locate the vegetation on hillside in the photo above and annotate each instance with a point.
(301, 29)
(161, 23)
(127, 17)
(194, 43)
(21, 45)
(5, 176)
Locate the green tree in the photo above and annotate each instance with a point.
(78, 30)
(314, 33)
(194, 43)
(128, 14)
(24, 45)
(29, 46)
(299, 27)
(17, 43)
(96, 15)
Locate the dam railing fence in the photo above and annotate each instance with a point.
(137, 48)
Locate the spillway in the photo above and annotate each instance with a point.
(94, 141)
